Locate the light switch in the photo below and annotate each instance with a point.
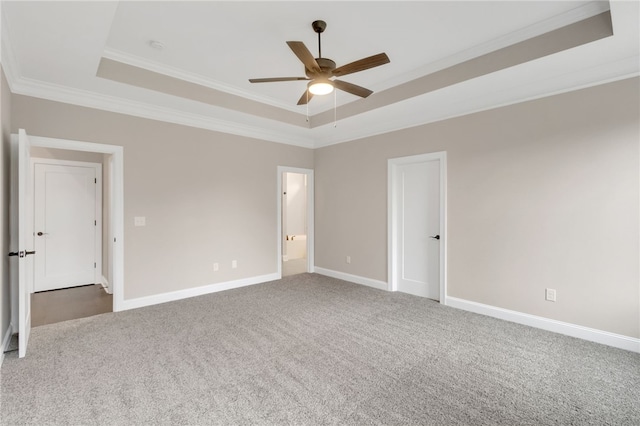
(140, 221)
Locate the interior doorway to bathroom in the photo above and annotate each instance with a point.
(296, 233)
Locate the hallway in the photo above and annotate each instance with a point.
(48, 307)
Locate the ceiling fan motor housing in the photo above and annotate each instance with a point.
(325, 64)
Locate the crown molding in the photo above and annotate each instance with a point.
(59, 93)
(320, 137)
(136, 61)
(350, 129)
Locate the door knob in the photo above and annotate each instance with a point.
(435, 237)
(40, 234)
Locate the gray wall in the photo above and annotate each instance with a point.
(540, 194)
(207, 197)
(5, 136)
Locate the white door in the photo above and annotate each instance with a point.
(65, 226)
(25, 243)
(416, 211)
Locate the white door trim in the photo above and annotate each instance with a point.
(310, 220)
(116, 220)
(392, 231)
(97, 279)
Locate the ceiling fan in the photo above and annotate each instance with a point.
(320, 70)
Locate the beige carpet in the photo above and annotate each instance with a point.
(311, 350)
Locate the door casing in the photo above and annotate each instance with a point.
(392, 216)
(116, 218)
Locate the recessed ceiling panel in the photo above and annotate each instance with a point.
(231, 42)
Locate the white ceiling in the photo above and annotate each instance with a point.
(52, 50)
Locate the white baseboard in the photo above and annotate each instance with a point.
(193, 292)
(105, 284)
(573, 330)
(6, 340)
(380, 285)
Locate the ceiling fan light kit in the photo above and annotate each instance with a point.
(320, 86)
(321, 70)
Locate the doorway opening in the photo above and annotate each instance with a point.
(295, 221)
(23, 232)
(67, 215)
(52, 306)
(70, 266)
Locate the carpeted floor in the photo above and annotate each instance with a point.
(312, 350)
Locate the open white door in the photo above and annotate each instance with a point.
(25, 244)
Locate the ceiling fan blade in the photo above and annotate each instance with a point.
(304, 55)
(362, 64)
(304, 98)
(352, 88)
(269, 80)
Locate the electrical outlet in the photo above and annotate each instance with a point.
(234, 264)
(348, 259)
(550, 294)
(216, 267)
(139, 221)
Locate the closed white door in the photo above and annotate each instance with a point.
(418, 239)
(65, 226)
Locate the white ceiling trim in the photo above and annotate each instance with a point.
(139, 62)
(322, 136)
(54, 92)
(412, 115)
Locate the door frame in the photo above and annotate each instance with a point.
(392, 213)
(310, 219)
(97, 275)
(116, 219)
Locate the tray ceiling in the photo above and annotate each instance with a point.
(447, 59)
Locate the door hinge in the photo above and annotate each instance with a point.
(95, 180)
(95, 223)
(94, 265)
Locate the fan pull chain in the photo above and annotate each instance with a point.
(335, 107)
